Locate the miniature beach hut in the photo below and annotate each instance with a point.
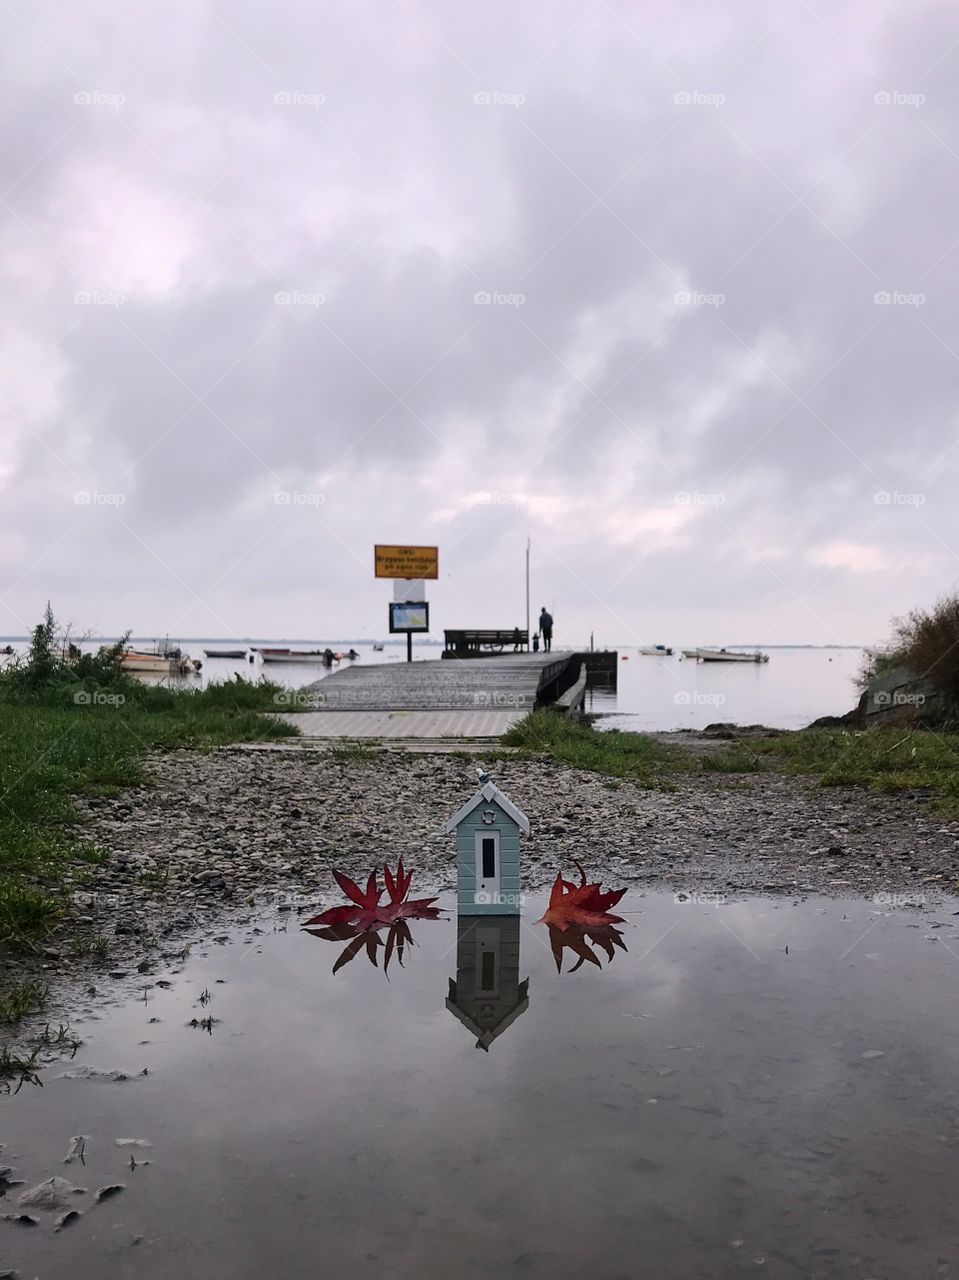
(487, 830)
(487, 995)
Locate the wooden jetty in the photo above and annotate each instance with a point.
(467, 698)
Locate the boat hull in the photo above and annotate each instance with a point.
(293, 657)
(148, 662)
(713, 655)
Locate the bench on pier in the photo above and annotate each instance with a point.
(472, 644)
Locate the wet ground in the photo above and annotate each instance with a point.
(761, 1087)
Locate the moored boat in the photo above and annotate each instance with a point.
(655, 651)
(224, 653)
(724, 655)
(325, 656)
(163, 659)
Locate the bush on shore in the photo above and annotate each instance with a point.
(926, 642)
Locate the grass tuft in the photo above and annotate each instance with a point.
(623, 755)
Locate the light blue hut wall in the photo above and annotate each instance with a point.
(509, 877)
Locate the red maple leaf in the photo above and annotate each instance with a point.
(577, 939)
(583, 904)
(397, 939)
(368, 912)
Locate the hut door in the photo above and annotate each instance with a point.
(487, 865)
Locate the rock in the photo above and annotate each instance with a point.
(107, 1193)
(76, 1149)
(50, 1196)
(96, 1073)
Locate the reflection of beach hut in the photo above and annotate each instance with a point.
(487, 852)
(487, 996)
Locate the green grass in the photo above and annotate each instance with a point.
(645, 760)
(886, 760)
(21, 999)
(53, 747)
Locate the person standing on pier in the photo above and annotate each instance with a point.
(546, 629)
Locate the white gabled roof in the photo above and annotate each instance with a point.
(486, 793)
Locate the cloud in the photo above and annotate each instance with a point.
(248, 259)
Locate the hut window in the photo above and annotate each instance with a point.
(489, 857)
(487, 860)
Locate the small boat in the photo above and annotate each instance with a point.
(723, 655)
(655, 651)
(224, 653)
(690, 653)
(164, 659)
(378, 646)
(7, 650)
(325, 656)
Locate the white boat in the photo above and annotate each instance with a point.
(690, 653)
(655, 651)
(322, 656)
(724, 655)
(378, 646)
(163, 659)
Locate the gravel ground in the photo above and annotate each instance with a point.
(221, 832)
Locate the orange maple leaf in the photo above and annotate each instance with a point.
(583, 904)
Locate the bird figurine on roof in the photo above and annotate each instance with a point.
(484, 777)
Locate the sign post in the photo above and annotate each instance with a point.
(408, 567)
(409, 616)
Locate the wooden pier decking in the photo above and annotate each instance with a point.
(464, 698)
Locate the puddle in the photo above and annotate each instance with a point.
(703, 1104)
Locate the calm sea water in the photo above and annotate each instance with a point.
(793, 688)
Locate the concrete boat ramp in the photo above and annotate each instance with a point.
(441, 699)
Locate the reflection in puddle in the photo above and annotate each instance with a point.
(487, 996)
(708, 1106)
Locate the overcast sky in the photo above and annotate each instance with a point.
(671, 289)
